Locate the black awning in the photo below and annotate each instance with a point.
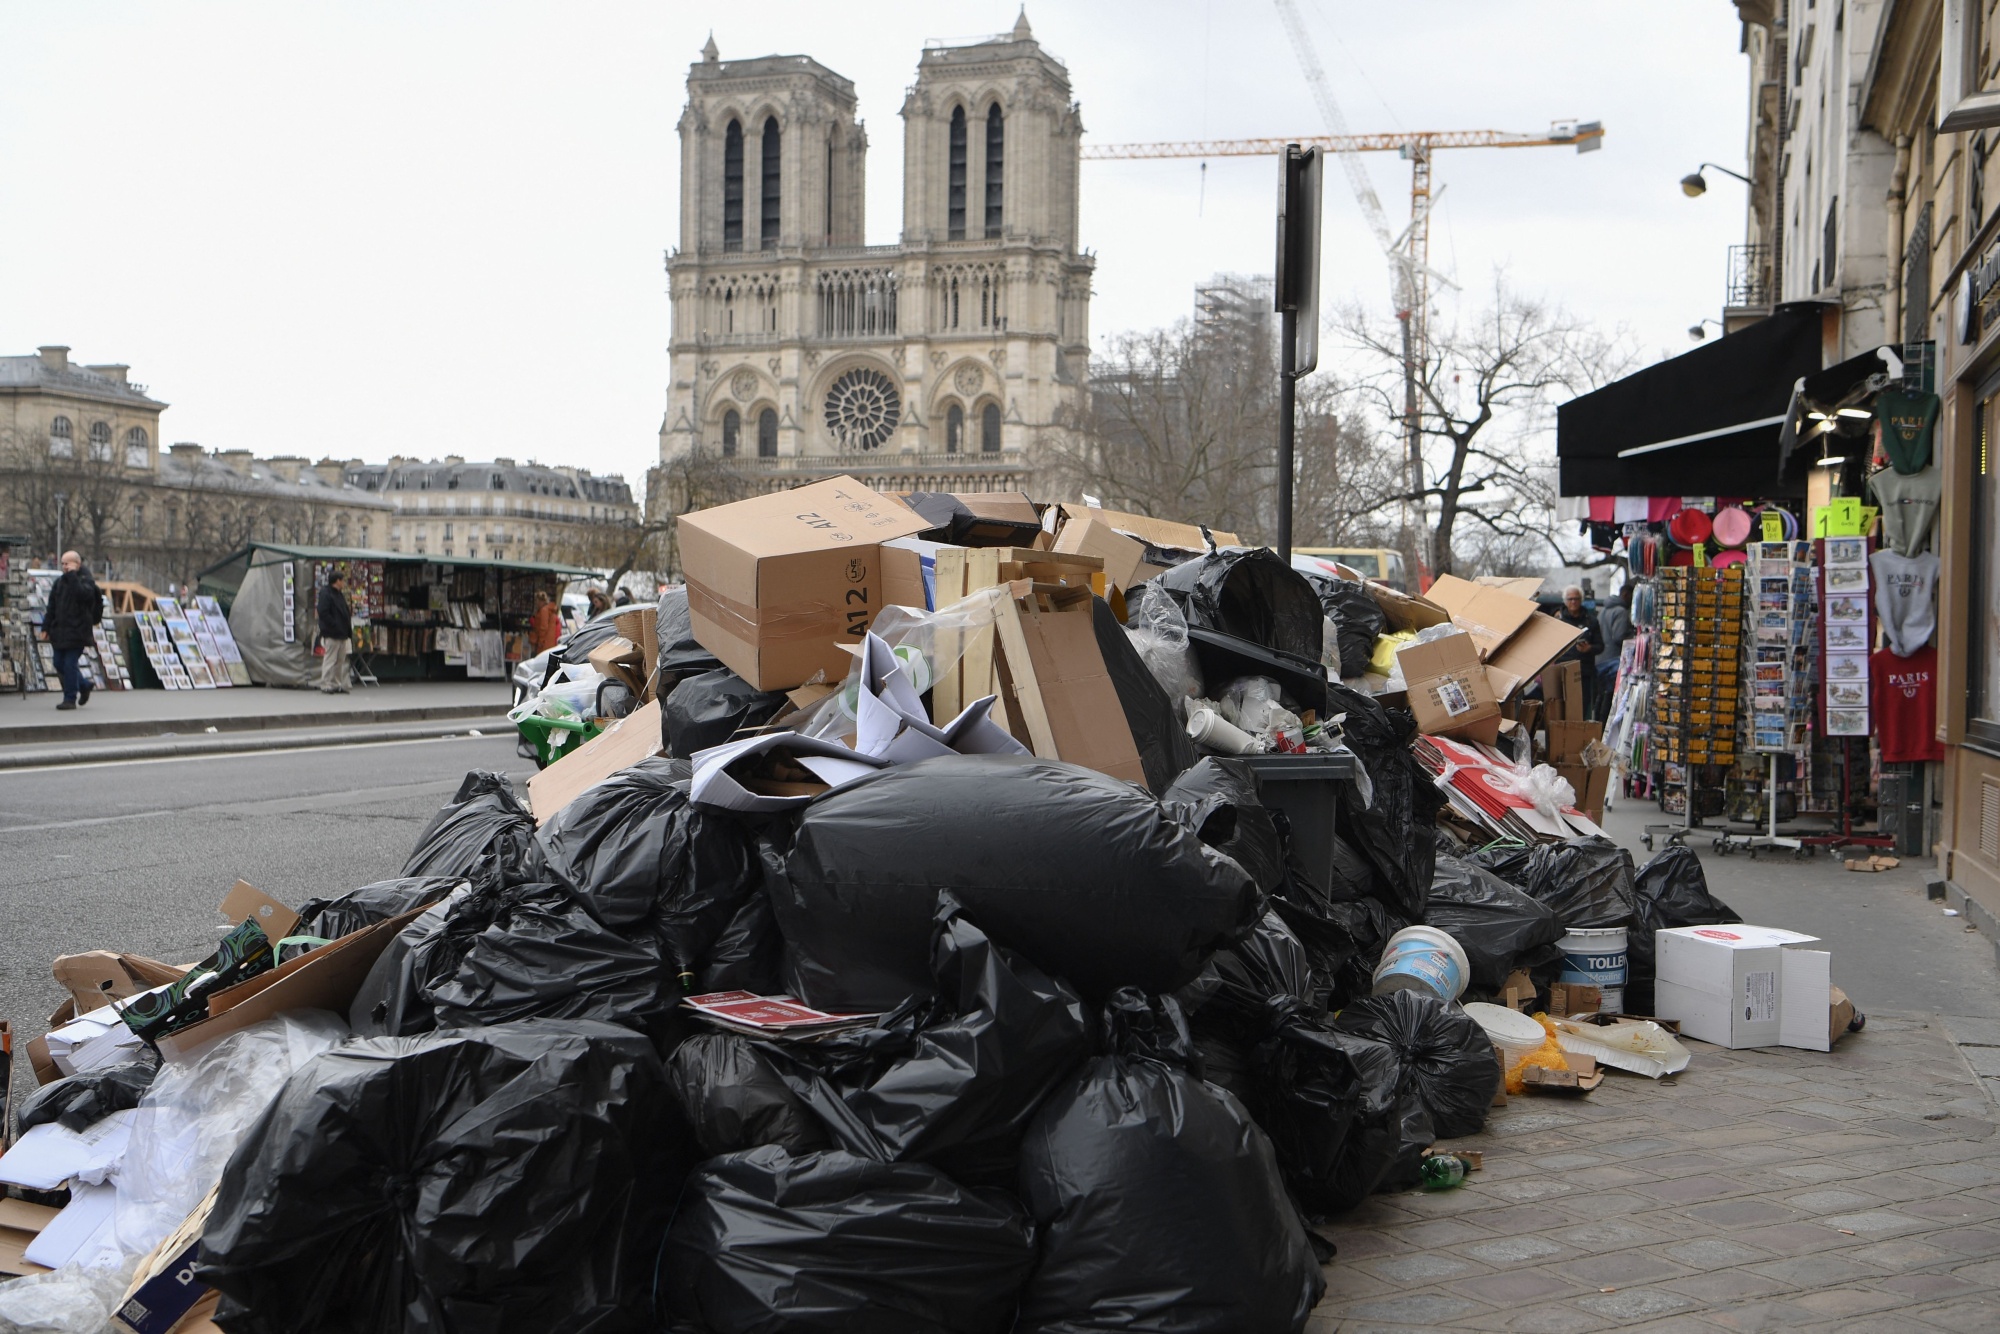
(1705, 422)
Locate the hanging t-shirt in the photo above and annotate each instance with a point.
(1907, 421)
(1909, 506)
(1904, 703)
(1905, 594)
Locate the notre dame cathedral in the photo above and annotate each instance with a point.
(943, 362)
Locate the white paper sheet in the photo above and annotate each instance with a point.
(832, 762)
(49, 1155)
(81, 1233)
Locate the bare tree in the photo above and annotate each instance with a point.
(1486, 395)
(75, 499)
(696, 480)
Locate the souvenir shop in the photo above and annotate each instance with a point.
(1773, 520)
(415, 617)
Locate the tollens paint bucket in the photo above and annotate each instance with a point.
(1422, 958)
(1596, 956)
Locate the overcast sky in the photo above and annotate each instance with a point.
(437, 226)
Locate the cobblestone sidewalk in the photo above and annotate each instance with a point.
(1768, 1189)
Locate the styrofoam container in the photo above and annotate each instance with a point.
(1515, 1034)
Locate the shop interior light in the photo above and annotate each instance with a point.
(1827, 458)
(1820, 416)
(1862, 413)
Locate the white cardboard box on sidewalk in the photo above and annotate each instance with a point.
(1730, 985)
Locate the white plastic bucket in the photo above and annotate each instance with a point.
(1596, 955)
(1422, 958)
(1515, 1034)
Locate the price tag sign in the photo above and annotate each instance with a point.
(1774, 526)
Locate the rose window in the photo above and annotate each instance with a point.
(862, 409)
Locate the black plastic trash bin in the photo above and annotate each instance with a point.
(1304, 788)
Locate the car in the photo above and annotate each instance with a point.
(530, 674)
(1369, 562)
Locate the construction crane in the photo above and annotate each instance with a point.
(1409, 252)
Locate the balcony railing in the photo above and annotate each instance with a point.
(1749, 276)
(882, 461)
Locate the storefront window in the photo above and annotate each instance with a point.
(1983, 662)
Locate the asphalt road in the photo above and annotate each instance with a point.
(134, 856)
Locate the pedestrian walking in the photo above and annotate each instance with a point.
(336, 636)
(545, 627)
(75, 607)
(1584, 651)
(1614, 626)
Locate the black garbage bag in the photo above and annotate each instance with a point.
(1586, 882)
(1670, 890)
(1082, 874)
(681, 654)
(1339, 1125)
(513, 1178)
(1220, 799)
(1394, 830)
(706, 709)
(1159, 1201)
(393, 999)
(332, 918)
(634, 850)
(1165, 751)
(952, 1080)
(1512, 862)
(733, 1100)
(483, 834)
(82, 1100)
(1447, 1060)
(1253, 594)
(1240, 987)
(1499, 927)
(749, 954)
(768, 1242)
(1357, 619)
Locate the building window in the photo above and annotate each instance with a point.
(767, 434)
(732, 186)
(138, 520)
(364, 536)
(447, 532)
(1983, 609)
(989, 429)
(499, 482)
(996, 143)
(274, 526)
(136, 455)
(767, 195)
(174, 520)
(100, 442)
(955, 183)
(62, 441)
(732, 431)
(954, 429)
(862, 409)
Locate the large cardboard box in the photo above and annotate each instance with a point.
(1590, 783)
(1568, 741)
(1562, 692)
(777, 583)
(1058, 696)
(1490, 615)
(1089, 533)
(1527, 651)
(1448, 689)
(1729, 985)
(623, 744)
(1163, 535)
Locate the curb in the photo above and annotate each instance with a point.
(65, 733)
(22, 757)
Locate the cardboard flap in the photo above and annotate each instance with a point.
(1539, 642)
(834, 514)
(247, 902)
(1521, 586)
(1087, 534)
(1490, 615)
(1406, 611)
(97, 976)
(630, 739)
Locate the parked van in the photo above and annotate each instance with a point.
(1372, 562)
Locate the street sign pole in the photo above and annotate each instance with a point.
(1297, 301)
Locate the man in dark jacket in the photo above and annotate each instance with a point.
(1584, 650)
(75, 607)
(336, 634)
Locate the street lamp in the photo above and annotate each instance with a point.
(1694, 185)
(1697, 332)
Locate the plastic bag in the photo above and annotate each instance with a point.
(197, 1114)
(707, 709)
(1253, 703)
(1356, 618)
(1220, 799)
(514, 1178)
(70, 1300)
(952, 1081)
(1253, 594)
(766, 1242)
(1392, 826)
(1501, 928)
(1158, 631)
(85, 1098)
(483, 834)
(1084, 875)
(1151, 712)
(1548, 791)
(1159, 1201)
(681, 654)
(1512, 862)
(1670, 890)
(749, 954)
(733, 1100)
(1339, 1124)
(1638, 1045)
(632, 850)
(1586, 882)
(1447, 1059)
(392, 1000)
(332, 918)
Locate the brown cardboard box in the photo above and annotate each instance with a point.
(621, 660)
(624, 743)
(777, 583)
(20, 1224)
(1090, 534)
(1448, 689)
(1490, 615)
(1406, 611)
(1562, 692)
(1162, 533)
(1590, 785)
(1527, 651)
(1840, 1013)
(976, 519)
(1567, 740)
(1058, 694)
(1521, 586)
(1573, 998)
(97, 977)
(641, 626)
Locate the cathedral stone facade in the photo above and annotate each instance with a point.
(943, 362)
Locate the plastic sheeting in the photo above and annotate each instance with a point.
(1220, 800)
(483, 834)
(257, 624)
(733, 1099)
(1499, 927)
(1159, 1201)
(1447, 1059)
(633, 850)
(706, 710)
(1250, 593)
(830, 1243)
(1084, 875)
(515, 1178)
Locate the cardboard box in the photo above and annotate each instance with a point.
(1448, 689)
(164, 1294)
(777, 583)
(624, 743)
(1562, 692)
(1490, 615)
(621, 660)
(1164, 537)
(1568, 998)
(1727, 984)
(1090, 534)
(20, 1224)
(641, 626)
(1590, 785)
(1540, 641)
(98, 976)
(1568, 739)
(1058, 694)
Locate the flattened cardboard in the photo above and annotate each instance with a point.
(247, 902)
(20, 1223)
(1521, 586)
(1406, 611)
(323, 979)
(1448, 690)
(778, 582)
(621, 660)
(97, 976)
(1580, 1076)
(624, 743)
(1059, 689)
(1490, 615)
